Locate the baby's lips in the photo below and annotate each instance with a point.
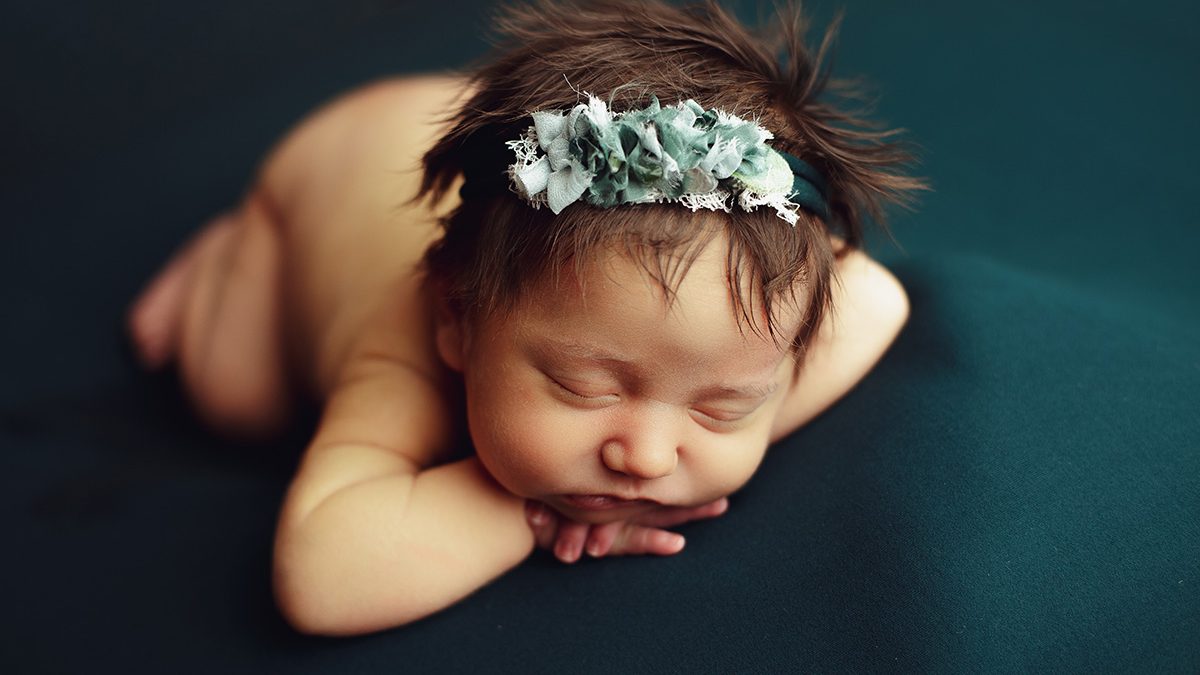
(601, 502)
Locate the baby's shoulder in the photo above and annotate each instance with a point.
(341, 181)
(391, 121)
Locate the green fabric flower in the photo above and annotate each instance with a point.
(675, 153)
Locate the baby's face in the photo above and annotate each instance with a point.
(604, 402)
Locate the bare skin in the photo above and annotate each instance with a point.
(309, 288)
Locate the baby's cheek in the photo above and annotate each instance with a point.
(727, 469)
(525, 451)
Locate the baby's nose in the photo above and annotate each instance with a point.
(643, 458)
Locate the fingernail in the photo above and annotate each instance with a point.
(593, 549)
(565, 554)
(679, 542)
(537, 515)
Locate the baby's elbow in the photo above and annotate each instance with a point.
(296, 616)
(306, 600)
(316, 598)
(311, 612)
(887, 302)
(897, 306)
(303, 609)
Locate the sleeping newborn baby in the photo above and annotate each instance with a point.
(617, 301)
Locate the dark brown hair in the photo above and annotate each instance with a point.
(495, 245)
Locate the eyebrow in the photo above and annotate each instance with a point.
(583, 351)
(748, 391)
(591, 353)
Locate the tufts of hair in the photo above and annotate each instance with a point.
(548, 52)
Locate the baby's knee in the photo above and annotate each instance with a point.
(236, 405)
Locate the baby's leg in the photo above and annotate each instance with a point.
(216, 307)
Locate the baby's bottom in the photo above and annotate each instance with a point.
(216, 309)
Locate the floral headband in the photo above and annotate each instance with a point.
(703, 159)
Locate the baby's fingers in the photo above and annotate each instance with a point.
(602, 538)
(571, 536)
(638, 540)
(543, 521)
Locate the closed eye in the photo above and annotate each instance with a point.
(721, 419)
(579, 396)
(728, 415)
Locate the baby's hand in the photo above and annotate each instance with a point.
(638, 536)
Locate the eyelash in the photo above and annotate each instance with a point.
(707, 418)
(723, 423)
(574, 394)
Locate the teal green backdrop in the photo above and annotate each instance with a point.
(1016, 487)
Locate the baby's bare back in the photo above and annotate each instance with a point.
(341, 185)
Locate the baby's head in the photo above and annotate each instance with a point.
(616, 357)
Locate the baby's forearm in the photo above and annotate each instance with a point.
(397, 548)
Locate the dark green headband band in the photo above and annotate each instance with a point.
(809, 188)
